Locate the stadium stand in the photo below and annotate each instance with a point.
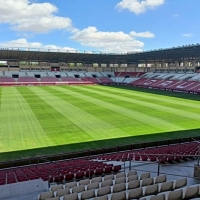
(178, 82)
(118, 79)
(105, 80)
(174, 82)
(49, 79)
(70, 79)
(93, 74)
(121, 187)
(81, 168)
(30, 74)
(7, 80)
(27, 79)
(139, 155)
(65, 170)
(90, 79)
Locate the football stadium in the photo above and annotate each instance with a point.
(119, 120)
(62, 125)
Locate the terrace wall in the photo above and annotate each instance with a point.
(23, 187)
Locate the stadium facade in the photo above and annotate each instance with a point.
(184, 58)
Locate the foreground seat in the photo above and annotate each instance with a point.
(175, 195)
(158, 197)
(96, 179)
(56, 187)
(120, 180)
(45, 195)
(180, 183)
(107, 183)
(101, 198)
(133, 184)
(145, 175)
(54, 198)
(107, 177)
(166, 186)
(94, 185)
(160, 179)
(135, 193)
(87, 194)
(78, 189)
(73, 196)
(130, 173)
(121, 174)
(191, 192)
(132, 178)
(147, 181)
(62, 192)
(84, 182)
(71, 184)
(119, 196)
(103, 191)
(151, 190)
(119, 187)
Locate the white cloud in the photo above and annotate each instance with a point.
(116, 42)
(108, 41)
(23, 15)
(187, 35)
(23, 43)
(139, 6)
(146, 34)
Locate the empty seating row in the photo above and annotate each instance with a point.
(27, 79)
(57, 172)
(86, 185)
(49, 79)
(115, 179)
(111, 179)
(140, 155)
(187, 193)
(130, 192)
(90, 79)
(89, 172)
(191, 192)
(7, 79)
(70, 79)
(105, 80)
(174, 85)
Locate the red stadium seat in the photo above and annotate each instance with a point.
(116, 168)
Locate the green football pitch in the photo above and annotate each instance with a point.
(53, 119)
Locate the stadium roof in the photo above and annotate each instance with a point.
(189, 52)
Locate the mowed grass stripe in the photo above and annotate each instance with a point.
(19, 126)
(138, 116)
(59, 129)
(93, 126)
(0, 96)
(171, 110)
(146, 96)
(125, 124)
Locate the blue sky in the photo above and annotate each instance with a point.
(99, 25)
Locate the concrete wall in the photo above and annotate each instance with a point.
(21, 188)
